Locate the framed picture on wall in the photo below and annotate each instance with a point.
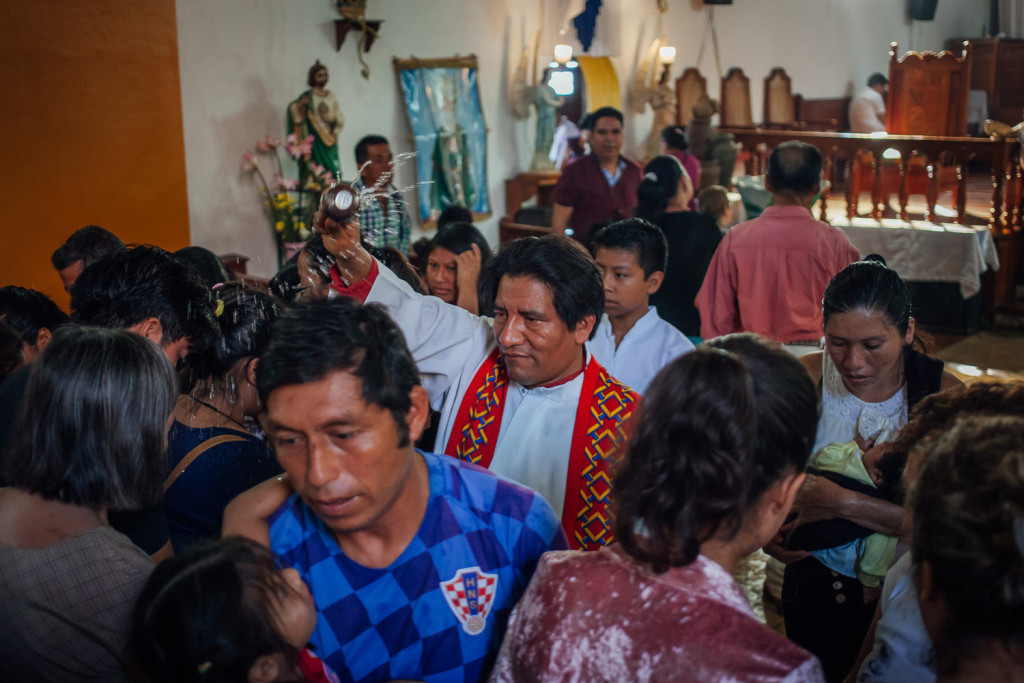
(442, 103)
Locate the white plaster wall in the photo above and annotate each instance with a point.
(242, 61)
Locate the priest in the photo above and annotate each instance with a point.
(519, 393)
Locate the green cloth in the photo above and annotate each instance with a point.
(879, 549)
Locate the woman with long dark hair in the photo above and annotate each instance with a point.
(713, 465)
(664, 193)
(212, 452)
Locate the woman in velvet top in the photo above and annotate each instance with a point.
(713, 465)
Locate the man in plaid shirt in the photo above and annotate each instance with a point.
(383, 220)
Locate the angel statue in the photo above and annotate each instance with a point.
(649, 87)
(316, 112)
(542, 97)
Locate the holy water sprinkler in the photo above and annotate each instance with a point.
(341, 202)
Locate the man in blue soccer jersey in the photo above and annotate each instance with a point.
(414, 560)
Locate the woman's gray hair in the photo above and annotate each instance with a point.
(93, 421)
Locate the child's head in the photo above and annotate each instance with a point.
(223, 611)
(631, 256)
(714, 201)
(885, 467)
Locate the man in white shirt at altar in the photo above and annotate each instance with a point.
(867, 108)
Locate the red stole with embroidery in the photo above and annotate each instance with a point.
(601, 415)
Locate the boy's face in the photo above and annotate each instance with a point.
(870, 459)
(625, 288)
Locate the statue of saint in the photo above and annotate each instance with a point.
(547, 103)
(663, 106)
(316, 112)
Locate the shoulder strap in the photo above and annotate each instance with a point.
(201, 448)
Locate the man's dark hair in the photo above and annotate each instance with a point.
(644, 240)
(363, 147)
(322, 336)
(11, 353)
(601, 113)
(560, 264)
(88, 245)
(454, 214)
(877, 79)
(320, 260)
(28, 311)
(139, 282)
(795, 167)
(93, 422)
(285, 284)
(207, 264)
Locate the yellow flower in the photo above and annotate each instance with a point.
(300, 226)
(279, 226)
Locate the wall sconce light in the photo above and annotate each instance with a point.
(563, 53)
(666, 55)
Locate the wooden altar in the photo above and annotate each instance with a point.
(1006, 211)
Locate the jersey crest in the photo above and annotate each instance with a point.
(470, 594)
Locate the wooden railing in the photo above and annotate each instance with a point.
(1002, 156)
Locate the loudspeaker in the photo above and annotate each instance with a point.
(923, 10)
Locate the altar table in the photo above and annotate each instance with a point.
(921, 251)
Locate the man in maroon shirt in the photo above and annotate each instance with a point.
(599, 187)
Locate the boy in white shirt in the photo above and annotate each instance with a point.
(631, 341)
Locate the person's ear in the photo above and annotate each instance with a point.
(250, 370)
(654, 281)
(419, 412)
(150, 328)
(908, 338)
(584, 328)
(43, 338)
(266, 669)
(778, 500)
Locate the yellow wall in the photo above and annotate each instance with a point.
(91, 130)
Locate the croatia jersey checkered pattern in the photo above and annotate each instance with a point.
(438, 613)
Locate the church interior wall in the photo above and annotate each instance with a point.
(242, 61)
(103, 128)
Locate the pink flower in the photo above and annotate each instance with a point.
(316, 169)
(262, 147)
(284, 184)
(248, 161)
(272, 142)
(296, 149)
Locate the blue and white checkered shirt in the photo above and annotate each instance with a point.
(380, 230)
(439, 611)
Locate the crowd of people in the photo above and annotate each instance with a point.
(542, 462)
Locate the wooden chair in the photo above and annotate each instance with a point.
(928, 95)
(689, 87)
(779, 109)
(736, 109)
